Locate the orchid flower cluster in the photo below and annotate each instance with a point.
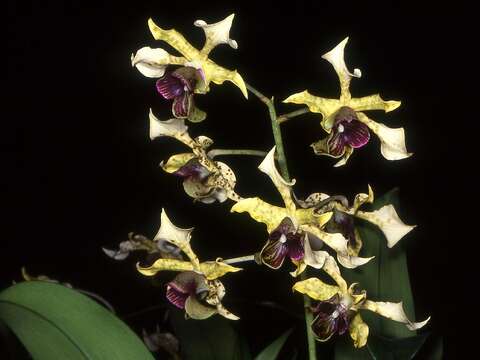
(317, 232)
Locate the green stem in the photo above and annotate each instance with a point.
(285, 117)
(240, 259)
(277, 134)
(217, 152)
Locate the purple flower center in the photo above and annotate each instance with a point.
(283, 241)
(347, 130)
(193, 170)
(332, 317)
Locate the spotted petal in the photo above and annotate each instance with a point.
(361, 199)
(178, 237)
(387, 219)
(153, 62)
(217, 33)
(326, 107)
(373, 102)
(392, 140)
(261, 211)
(337, 59)
(393, 311)
(284, 187)
(358, 331)
(316, 289)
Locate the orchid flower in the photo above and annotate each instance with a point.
(343, 119)
(342, 220)
(203, 179)
(338, 309)
(197, 288)
(197, 69)
(294, 232)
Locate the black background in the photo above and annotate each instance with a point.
(80, 171)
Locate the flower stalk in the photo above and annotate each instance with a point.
(218, 152)
(282, 161)
(285, 117)
(240, 259)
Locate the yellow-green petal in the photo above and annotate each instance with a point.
(373, 102)
(361, 199)
(387, 219)
(215, 269)
(336, 57)
(316, 289)
(284, 187)
(324, 106)
(392, 140)
(175, 162)
(393, 311)
(358, 331)
(196, 310)
(178, 237)
(261, 211)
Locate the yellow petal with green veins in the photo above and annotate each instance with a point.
(361, 199)
(261, 211)
(308, 217)
(316, 289)
(373, 102)
(215, 269)
(358, 331)
(175, 162)
(174, 39)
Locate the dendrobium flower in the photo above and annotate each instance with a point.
(296, 232)
(153, 63)
(342, 220)
(199, 297)
(179, 85)
(338, 309)
(343, 119)
(197, 282)
(204, 180)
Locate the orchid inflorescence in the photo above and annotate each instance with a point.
(317, 232)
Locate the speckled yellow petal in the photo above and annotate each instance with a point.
(153, 62)
(178, 237)
(175, 128)
(387, 219)
(261, 211)
(215, 269)
(165, 264)
(316, 289)
(392, 140)
(336, 57)
(326, 107)
(373, 102)
(358, 331)
(217, 33)
(338, 243)
(219, 75)
(174, 39)
(175, 162)
(284, 187)
(361, 199)
(301, 266)
(393, 311)
(331, 268)
(309, 217)
(196, 310)
(226, 181)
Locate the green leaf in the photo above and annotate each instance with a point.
(55, 322)
(385, 278)
(271, 351)
(381, 348)
(210, 339)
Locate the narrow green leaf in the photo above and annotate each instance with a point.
(210, 339)
(55, 322)
(385, 278)
(271, 351)
(381, 348)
